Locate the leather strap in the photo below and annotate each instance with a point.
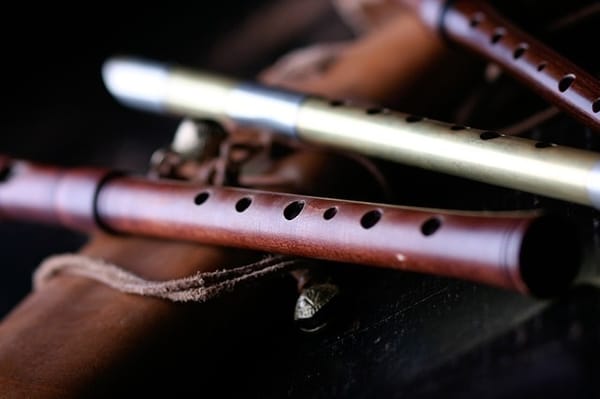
(199, 287)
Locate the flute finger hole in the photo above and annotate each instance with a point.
(544, 144)
(375, 111)
(498, 35)
(330, 213)
(336, 103)
(541, 66)
(370, 219)
(243, 204)
(457, 127)
(201, 198)
(293, 210)
(413, 118)
(519, 51)
(596, 105)
(489, 135)
(476, 19)
(430, 226)
(566, 82)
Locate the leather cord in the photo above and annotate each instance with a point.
(200, 287)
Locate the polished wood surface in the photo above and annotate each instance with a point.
(503, 250)
(475, 26)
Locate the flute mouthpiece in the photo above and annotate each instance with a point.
(135, 82)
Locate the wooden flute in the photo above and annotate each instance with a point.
(508, 250)
(476, 26)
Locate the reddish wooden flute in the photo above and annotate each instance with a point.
(476, 26)
(508, 250)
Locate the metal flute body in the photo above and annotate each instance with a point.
(504, 250)
(538, 167)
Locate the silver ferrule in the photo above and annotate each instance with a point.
(593, 186)
(274, 109)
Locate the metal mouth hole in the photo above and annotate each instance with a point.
(293, 210)
(243, 204)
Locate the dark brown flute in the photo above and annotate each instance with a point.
(506, 250)
(476, 26)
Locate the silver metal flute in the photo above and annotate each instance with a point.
(538, 167)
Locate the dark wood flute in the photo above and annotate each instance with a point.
(476, 26)
(508, 251)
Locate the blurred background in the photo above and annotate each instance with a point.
(404, 335)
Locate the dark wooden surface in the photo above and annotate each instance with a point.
(396, 334)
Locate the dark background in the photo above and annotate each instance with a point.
(401, 334)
